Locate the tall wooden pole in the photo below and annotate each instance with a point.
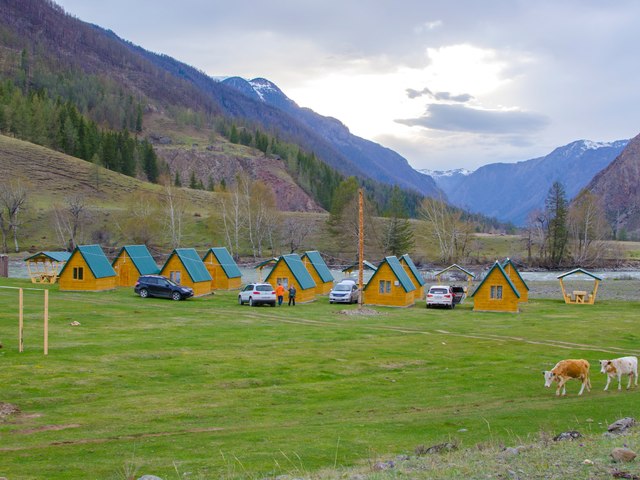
(360, 247)
(46, 322)
(20, 322)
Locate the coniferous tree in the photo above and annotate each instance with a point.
(397, 234)
(177, 182)
(557, 231)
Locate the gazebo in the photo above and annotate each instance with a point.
(470, 276)
(269, 262)
(579, 296)
(44, 267)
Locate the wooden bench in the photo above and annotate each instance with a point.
(578, 296)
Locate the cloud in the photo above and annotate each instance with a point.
(459, 118)
(440, 96)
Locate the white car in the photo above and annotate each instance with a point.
(257, 294)
(440, 296)
(345, 291)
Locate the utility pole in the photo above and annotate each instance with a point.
(360, 247)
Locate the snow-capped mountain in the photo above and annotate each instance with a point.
(510, 191)
(344, 151)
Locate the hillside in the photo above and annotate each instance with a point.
(619, 187)
(46, 48)
(509, 191)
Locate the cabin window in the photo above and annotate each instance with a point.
(496, 292)
(175, 276)
(384, 286)
(78, 273)
(284, 281)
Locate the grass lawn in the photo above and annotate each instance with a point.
(216, 390)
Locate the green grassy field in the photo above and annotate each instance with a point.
(216, 390)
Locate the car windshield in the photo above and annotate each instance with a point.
(264, 288)
(439, 291)
(342, 287)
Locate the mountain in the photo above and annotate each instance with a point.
(447, 180)
(618, 185)
(378, 162)
(43, 48)
(510, 191)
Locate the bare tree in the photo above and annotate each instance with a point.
(536, 231)
(70, 220)
(141, 220)
(446, 226)
(174, 208)
(295, 232)
(13, 197)
(588, 229)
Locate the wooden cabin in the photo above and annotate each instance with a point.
(224, 271)
(89, 270)
(289, 270)
(579, 296)
(456, 268)
(44, 267)
(516, 278)
(496, 292)
(133, 261)
(316, 266)
(185, 267)
(390, 285)
(414, 275)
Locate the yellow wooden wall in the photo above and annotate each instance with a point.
(174, 264)
(397, 297)
(126, 270)
(483, 302)
(282, 271)
(89, 283)
(322, 288)
(419, 293)
(219, 279)
(517, 282)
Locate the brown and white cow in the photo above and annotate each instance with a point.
(619, 367)
(564, 371)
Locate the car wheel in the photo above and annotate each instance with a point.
(273, 304)
(251, 304)
(176, 296)
(428, 306)
(240, 302)
(144, 293)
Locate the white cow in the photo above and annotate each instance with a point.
(619, 367)
(564, 371)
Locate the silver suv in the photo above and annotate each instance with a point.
(345, 291)
(257, 294)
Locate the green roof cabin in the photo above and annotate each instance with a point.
(88, 270)
(316, 266)
(133, 261)
(414, 275)
(224, 271)
(517, 279)
(390, 285)
(289, 270)
(185, 267)
(496, 292)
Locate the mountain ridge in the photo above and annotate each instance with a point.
(510, 191)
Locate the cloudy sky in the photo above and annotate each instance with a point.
(454, 84)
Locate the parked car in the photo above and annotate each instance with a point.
(345, 291)
(159, 286)
(440, 296)
(459, 294)
(257, 294)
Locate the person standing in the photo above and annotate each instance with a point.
(280, 293)
(292, 295)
